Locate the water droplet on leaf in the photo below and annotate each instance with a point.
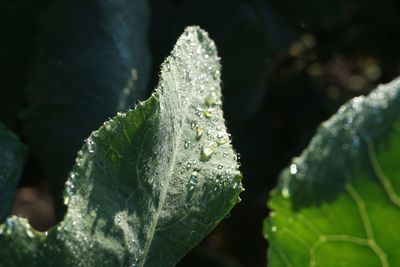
(206, 152)
(293, 168)
(211, 99)
(199, 132)
(186, 145)
(221, 139)
(91, 145)
(193, 180)
(208, 113)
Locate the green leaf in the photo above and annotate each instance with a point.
(92, 61)
(12, 157)
(150, 183)
(338, 203)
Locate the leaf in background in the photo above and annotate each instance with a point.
(17, 27)
(12, 157)
(338, 203)
(89, 53)
(150, 183)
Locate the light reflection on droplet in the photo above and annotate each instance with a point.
(293, 168)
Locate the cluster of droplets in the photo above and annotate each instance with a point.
(208, 135)
(193, 180)
(207, 143)
(352, 124)
(11, 224)
(73, 235)
(79, 159)
(91, 146)
(69, 188)
(294, 173)
(363, 116)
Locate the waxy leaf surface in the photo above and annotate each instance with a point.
(338, 204)
(151, 183)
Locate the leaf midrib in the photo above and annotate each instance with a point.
(164, 192)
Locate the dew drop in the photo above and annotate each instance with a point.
(274, 229)
(186, 145)
(91, 145)
(293, 168)
(66, 200)
(118, 219)
(69, 191)
(78, 161)
(188, 166)
(198, 111)
(211, 99)
(121, 114)
(221, 139)
(193, 180)
(29, 233)
(10, 223)
(72, 176)
(206, 152)
(208, 113)
(107, 125)
(193, 124)
(199, 132)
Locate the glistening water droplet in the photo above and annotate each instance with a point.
(91, 145)
(211, 99)
(187, 143)
(208, 113)
(193, 180)
(10, 223)
(221, 138)
(199, 132)
(188, 166)
(293, 168)
(206, 152)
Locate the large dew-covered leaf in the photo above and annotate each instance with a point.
(92, 60)
(338, 204)
(150, 183)
(12, 157)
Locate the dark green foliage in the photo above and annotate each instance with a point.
(91, 61)
(12, 157)
(17, 30)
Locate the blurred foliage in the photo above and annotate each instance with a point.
(17, 30)
(287, 66)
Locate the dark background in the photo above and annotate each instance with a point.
(287, 65)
